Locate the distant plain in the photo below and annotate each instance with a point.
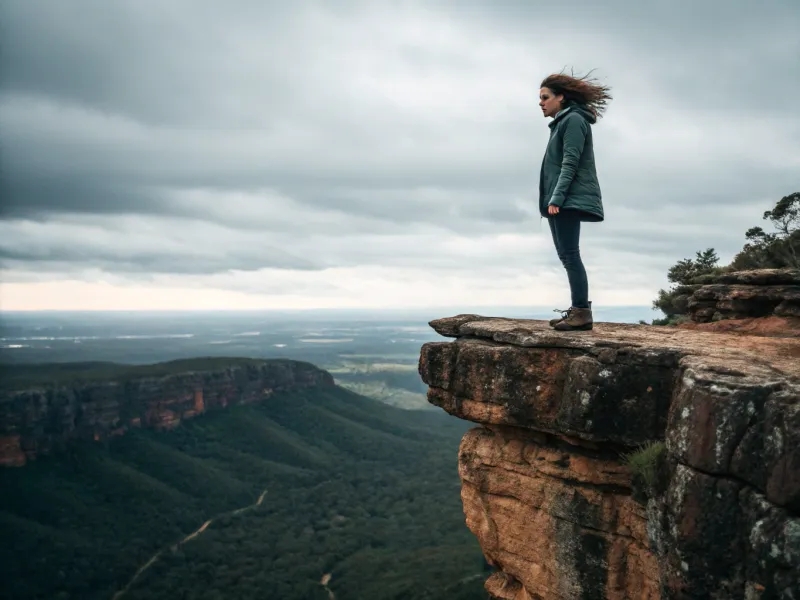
(371, 352)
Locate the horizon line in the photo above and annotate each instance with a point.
(308, 309)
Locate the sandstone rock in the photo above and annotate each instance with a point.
(504, 587)
(756, 277)
(772, 548)
(550, 389)
(768, 455)
(771, 326)
(582, 535)
(727, 541)
(743, 294)
(36, 421)
(545, 489)
(741, 301)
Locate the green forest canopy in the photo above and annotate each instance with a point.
(20, 376)
(363, 491)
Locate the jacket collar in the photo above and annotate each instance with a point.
(560, 115)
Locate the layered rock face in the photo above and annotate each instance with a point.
(551, 498)
(36, 421)
(745, 294)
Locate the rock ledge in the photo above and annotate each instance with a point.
(548, 495)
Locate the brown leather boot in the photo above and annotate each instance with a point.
(578, 319)
(564, 314)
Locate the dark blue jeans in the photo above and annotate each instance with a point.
(566, 230)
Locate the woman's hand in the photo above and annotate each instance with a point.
(552, 209)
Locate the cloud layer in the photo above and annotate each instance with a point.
(351, 154)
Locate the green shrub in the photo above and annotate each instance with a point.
(671, 320)
(645, 464)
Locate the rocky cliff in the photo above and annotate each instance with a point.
(772, 296)
(36, 419)
(627, 462)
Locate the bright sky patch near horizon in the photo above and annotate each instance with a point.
(210, 155)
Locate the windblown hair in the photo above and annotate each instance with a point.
(582, 90)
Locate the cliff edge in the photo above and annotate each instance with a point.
(44, 407)
(627, 462)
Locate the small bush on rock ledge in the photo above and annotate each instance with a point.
(647, 466)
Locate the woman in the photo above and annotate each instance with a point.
(569, 192)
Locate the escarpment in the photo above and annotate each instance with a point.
(51, 410)
(627, 462)
(743, 294)
(762, 302)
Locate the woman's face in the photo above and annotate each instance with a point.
(549, 102)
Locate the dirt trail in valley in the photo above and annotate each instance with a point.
(189, 537)
(326, 579)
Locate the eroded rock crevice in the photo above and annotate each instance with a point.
(555, 505)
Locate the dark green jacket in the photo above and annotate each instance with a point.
(568, 178)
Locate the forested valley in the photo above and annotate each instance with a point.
(311, 486)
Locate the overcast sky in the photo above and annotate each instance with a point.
(249, 154)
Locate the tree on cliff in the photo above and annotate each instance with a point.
(686, 270)
(763, 250)
(780, 248)
(673, 302)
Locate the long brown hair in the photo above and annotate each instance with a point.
(582, 90)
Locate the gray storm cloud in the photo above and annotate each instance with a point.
(198, 138)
